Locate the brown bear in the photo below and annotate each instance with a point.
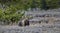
(24, 22)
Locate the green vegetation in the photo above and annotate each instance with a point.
(11, 9)
(25, 4)
(10, 16)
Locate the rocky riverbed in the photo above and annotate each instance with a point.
(30, 29)
(37, 28)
